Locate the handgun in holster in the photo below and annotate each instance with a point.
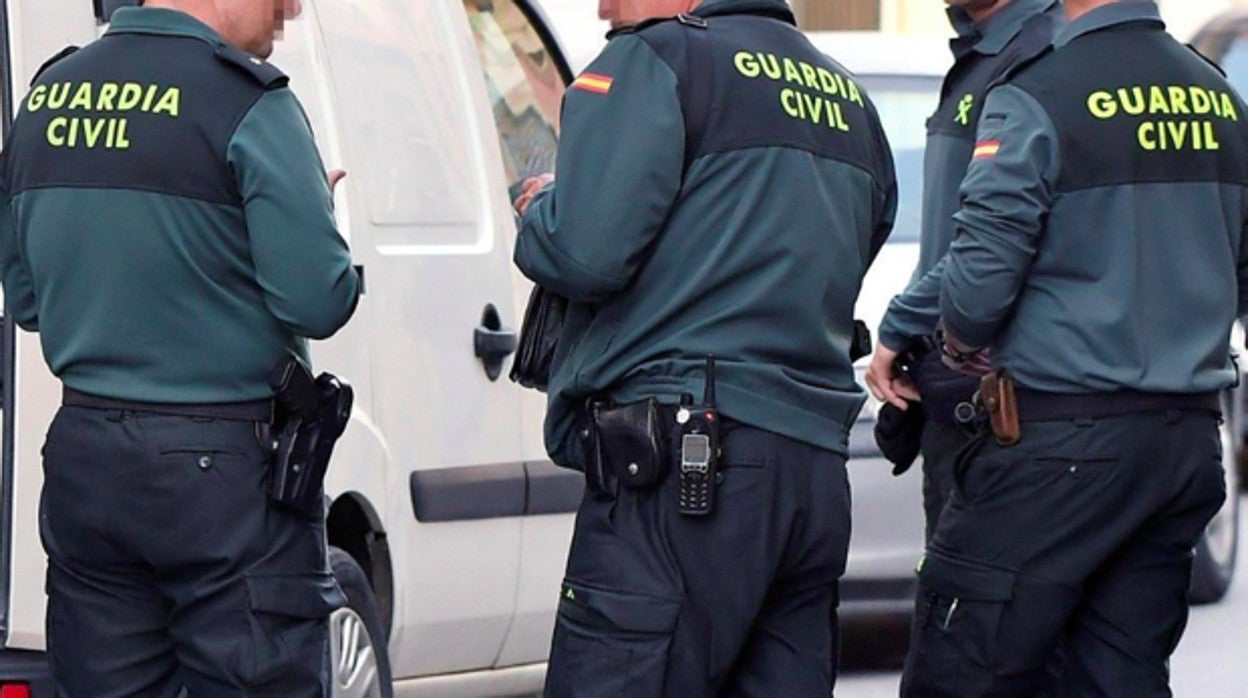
(996, 393)
(311, 414)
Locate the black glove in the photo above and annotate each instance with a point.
(899, 434)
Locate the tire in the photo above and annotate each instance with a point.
(361, 653)
(1214, 566)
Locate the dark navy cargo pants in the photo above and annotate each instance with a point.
(169, 570)
(741, 603)
(1076, 542)
(943, 389)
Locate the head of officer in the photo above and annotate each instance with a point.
(251, 25)
(625, 13)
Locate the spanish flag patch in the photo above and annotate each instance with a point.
(592, 82)
(987, 149)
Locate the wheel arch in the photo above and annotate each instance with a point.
(354, 526)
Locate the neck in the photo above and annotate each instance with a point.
(980, 14)
(1078, 8)
(203, 10)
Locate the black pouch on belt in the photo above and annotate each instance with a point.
(630, 443)
(311, 415)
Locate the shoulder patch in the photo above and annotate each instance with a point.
(262, 71)
(593, 82)
(1208, 60)
(60, 55)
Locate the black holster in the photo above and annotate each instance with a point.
(311, 415)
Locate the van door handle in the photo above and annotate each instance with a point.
(493, 343)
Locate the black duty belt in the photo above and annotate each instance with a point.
(1036, 406)
(252, 411)
(668, 413)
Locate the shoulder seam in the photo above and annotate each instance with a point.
(232, 176)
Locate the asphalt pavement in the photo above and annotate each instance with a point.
(1210, 661)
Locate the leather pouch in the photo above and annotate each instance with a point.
(630, 443)
(996, 390)
(539, 338)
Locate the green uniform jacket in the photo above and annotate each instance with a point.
(985, 52)
(721, 191)
(166, 224)
(1101, 240)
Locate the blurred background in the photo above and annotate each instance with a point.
(581, 31)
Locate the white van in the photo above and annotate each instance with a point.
(449, 524)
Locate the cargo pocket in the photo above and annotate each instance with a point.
(960, 608)
(288, 626)
(615, 641)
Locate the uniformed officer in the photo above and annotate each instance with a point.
(993, 36)
(722, 188)
(167, 228)
(1101, 255)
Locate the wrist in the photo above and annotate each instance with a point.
(953, 349)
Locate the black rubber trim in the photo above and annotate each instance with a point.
(500, 490)
(29, 667)
(8, 341)
(552, 490)
(545, 30)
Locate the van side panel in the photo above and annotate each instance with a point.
(427, 210)
(38, 29)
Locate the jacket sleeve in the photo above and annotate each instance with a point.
(887, 193)
(1006, 196)
(302, 263)
(1242, 276)
(19, 288)
(620, 164)
(915, 312)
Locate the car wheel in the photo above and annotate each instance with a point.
(1214, 566)
(361, 657)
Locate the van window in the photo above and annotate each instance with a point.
(524, 86)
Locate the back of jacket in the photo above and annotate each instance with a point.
(168, 226)
(771, 196)
(1125, 224)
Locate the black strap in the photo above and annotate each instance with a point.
(1036, 406)
(60, 55)
(698, 89)
(252, 411)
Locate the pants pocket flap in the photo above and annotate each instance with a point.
(966, 579)
(297, 595)
(625, 611)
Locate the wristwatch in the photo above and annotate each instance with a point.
(957, 356)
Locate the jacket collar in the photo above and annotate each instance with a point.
(991, 36)
(1111, 15)
(157, 20)
(776, 9)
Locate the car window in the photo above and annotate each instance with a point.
(904, 103)
(524, 85)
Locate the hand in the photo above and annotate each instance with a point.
(335, 176)
(529, 189)
(963, 358)
(884, 381)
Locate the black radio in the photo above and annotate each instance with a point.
(698, 429)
